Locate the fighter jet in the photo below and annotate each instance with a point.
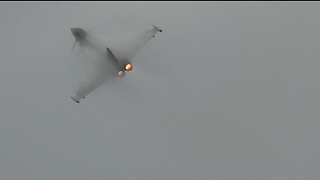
(109, 59)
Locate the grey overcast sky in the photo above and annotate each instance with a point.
(228, 90)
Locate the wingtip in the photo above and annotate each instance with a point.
(75, 100)
(157, 28)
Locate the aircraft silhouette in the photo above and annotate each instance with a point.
(106, 62)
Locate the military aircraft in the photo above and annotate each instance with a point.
(109, 59)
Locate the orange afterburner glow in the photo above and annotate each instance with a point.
(128, 67)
